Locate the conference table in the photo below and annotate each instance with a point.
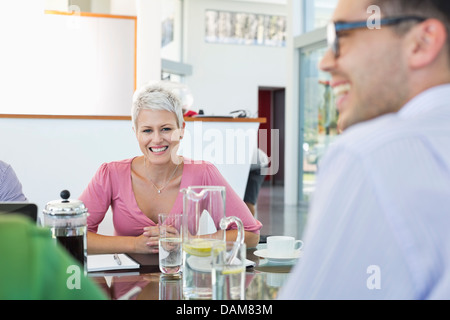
(263, 281)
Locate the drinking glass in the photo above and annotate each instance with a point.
(170, 243)
(228, 271)
(170, 287)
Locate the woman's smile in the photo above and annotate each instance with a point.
(158, 149)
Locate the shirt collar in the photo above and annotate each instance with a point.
(435, 97)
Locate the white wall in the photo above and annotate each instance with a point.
(61, 64)
(58, 5)
(125, 7)
(89, 66)
(227, 77)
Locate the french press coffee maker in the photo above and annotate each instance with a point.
(67, 220)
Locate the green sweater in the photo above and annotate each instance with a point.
(34, 267)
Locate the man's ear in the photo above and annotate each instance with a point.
(427, 42)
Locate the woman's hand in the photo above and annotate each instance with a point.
(148, 241)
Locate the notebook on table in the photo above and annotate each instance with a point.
(106, 262)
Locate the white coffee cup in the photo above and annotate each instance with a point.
(282, 246)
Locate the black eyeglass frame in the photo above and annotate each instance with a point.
(334, 28)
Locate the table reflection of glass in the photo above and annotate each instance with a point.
(262, 281)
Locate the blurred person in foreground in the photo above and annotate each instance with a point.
(10, 186)
(139, 188)
(379, 222)
(34, 267)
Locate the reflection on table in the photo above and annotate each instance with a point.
(262, 281)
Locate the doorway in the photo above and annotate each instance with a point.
(271, 105)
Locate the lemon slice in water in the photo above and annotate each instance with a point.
(233, 270)
(198, 247)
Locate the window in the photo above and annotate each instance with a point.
(317, 13)
(318, 115)
(245, 28)
(318, 112)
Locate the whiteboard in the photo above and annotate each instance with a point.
(69, 65)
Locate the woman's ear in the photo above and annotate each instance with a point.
(178, 133)
(182, 130)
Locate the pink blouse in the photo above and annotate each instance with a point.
(111, 186)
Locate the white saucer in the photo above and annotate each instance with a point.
(263, 253)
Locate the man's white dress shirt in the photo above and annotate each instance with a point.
(379, 224)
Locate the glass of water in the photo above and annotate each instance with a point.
(170, 243)
(228, 270)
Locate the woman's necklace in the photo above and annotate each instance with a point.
(167, 182)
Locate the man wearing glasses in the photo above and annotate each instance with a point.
(379, 222)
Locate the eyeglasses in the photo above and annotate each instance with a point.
(334, 28)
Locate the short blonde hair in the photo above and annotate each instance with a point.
(156, 96)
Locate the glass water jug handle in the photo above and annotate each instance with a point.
(225, 222)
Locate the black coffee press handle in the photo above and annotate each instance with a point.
(65, 194)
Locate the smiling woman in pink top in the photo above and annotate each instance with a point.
(138, 189)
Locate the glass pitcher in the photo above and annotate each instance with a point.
(204, 223)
